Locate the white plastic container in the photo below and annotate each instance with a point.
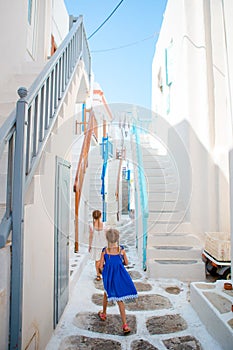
(218, 245)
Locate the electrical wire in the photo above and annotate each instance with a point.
(127, 45)
(105, 20)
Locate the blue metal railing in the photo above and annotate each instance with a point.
(24, 136)
(143, 195)
(107, 151)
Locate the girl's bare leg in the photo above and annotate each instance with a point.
(105, 303)
(121, 306)
(97, 267)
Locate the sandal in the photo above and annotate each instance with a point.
(98, 278)
(126, 328)
(102, 316)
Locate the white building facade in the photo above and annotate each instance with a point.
(192, 78)
(44, 56)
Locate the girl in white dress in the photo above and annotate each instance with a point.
(97, 240)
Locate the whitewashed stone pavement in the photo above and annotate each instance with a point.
(162, 318)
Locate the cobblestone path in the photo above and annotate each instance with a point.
(161, 318)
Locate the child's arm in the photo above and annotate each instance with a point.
(102, 260)
(90, 238)
(125, 257)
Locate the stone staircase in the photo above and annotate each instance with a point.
(94, 172)
(173, 248)
(90, 196)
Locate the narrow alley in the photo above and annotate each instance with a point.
(161, 318)
(146, 139)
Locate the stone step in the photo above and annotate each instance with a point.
(164, 180)
(171, 227)
(163, 163)
(96, 171)
(171, 252)
(183, 270)
(150, 162)
(176, 239)
(167, 196)
(152, 194)
(162, 197)
(165, 206)
(96, 166)
(148, 152)
(161, 187)
(150, 170)
(166, 216)
(148, 149)
(95, 184)
(158, 157)
(95, 199)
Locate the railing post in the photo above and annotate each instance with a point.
(18, 225)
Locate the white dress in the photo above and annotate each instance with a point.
(98, 243)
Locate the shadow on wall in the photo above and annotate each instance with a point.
(203, 186)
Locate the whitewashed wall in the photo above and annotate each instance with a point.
(38, 284)
(25, 49)
(25, 42)
(60, 21)
(197, 104)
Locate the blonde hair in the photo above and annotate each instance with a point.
(112, 235)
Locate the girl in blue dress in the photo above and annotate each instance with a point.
(118, 285)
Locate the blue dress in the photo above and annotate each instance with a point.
(118, 284)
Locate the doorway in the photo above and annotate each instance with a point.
(61, 244)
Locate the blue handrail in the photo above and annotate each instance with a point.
(143, 194)
(107, 151)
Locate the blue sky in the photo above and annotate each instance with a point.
(122, 50)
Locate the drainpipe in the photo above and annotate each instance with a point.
(18, 225)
